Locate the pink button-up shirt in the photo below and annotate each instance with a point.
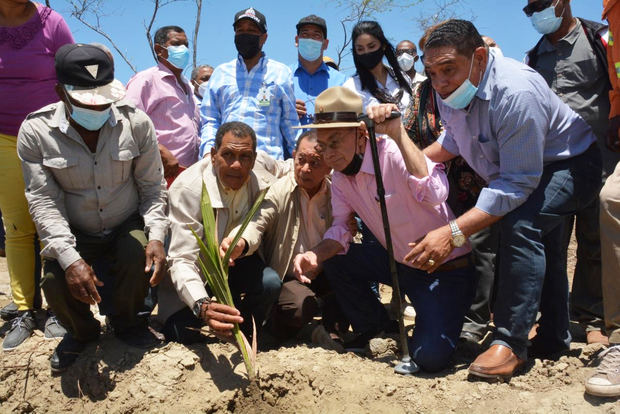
(415, 206)
(174, 112)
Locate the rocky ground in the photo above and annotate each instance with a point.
(210, 377)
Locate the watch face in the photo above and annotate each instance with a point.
(458, 240)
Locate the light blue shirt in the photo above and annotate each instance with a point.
(262, 98)
(309, 86)
(513, 127)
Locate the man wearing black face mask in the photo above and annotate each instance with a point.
(251, 89)
(416, 190)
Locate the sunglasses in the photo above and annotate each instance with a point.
(536, 7)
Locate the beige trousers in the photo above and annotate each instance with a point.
(610, 254)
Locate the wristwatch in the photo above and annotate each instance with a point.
(197, 308)
(458, 238)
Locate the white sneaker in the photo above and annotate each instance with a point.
(606, 381)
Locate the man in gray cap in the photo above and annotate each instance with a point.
(93, 180)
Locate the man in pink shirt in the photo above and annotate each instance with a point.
(168, 99)
(416, 189)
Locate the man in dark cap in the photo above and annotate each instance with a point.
(93, 180)
(251, 89)
(312, 75)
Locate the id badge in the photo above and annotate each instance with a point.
(264, 97)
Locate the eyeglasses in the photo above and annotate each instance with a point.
(536, 7)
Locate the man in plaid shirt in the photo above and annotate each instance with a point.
(252, 89)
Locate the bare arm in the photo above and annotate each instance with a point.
(474, 220)
(437, 244)
(436, 153)
(306, 264)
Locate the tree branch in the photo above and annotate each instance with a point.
(148, 28)
(79, 12)
(196, 29)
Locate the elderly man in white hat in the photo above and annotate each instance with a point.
(93, 180)
(415, 193)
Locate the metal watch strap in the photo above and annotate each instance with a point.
(196, 309)
(454, 228)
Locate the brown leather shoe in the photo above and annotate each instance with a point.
(498, 362)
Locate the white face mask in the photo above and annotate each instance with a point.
(463, 95)
(405, 61)
(202, 89)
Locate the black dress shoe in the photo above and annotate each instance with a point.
(66, 353)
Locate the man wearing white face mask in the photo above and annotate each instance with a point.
(311, 75)
(407, 56)
(168, 99)
(572, 57)
(93, 182)
(541, 163)
(200, 76)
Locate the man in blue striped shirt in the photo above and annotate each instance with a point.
(541, 163)
(251, 89)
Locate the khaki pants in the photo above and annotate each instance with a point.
(118, 261)
(610, 254)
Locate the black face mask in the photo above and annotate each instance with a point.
(354, 166)
(247, 44)
(371, 59)
(356, 163)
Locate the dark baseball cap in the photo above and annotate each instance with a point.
(254, 15)
(87, 72)
(315, 20)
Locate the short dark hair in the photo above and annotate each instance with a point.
(460, 34)
(310, 134)
(197, 70)
(238, 129)
(161, 35)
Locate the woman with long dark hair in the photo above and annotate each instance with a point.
(374, 81)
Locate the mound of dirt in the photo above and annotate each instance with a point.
(110, 377)
(210, 377)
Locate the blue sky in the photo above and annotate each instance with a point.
(124, 21)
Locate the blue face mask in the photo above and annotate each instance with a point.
(546, 21)
(462, 96)
(89, 119)
(310, 49)
(178, 56)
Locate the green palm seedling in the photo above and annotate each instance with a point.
(215, 270)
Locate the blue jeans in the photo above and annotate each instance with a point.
(255, 289)
(440, 300)
(531, 266)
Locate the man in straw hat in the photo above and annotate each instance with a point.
(93, 180)
(416, 190)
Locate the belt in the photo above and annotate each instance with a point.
(458, 263)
